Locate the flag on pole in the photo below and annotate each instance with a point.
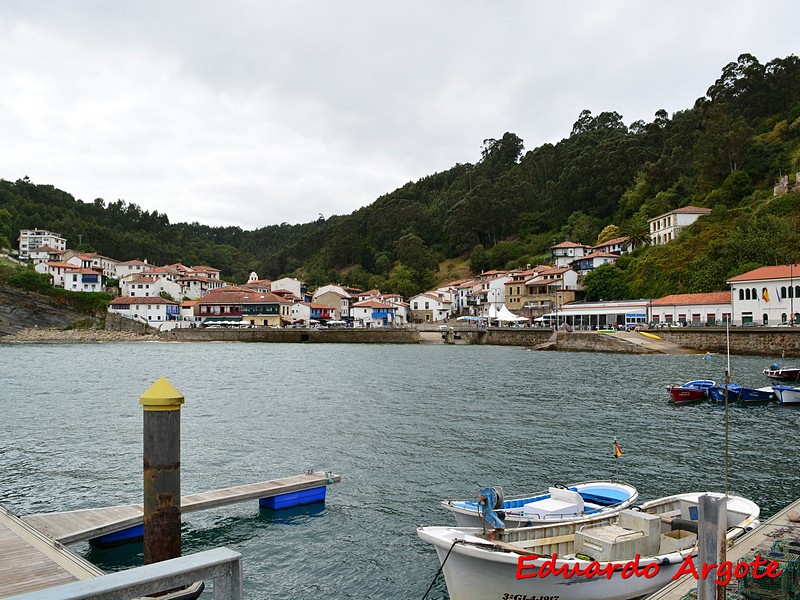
(765, 295)
(617, 449)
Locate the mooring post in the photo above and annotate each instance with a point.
(711, 544)
(162, 471)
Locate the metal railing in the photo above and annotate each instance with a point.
(222, 565)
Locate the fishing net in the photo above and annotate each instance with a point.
(755, 586)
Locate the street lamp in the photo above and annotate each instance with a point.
(791, 292)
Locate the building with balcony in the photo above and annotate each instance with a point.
(31, 239)
(665, 228)
(566, 252)
(373, 313)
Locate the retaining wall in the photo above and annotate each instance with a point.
(312, 336)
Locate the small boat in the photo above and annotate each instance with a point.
(575, 501)
(775, 371)
(541, 561)
(787, 394)
(757, 395)
(691, 391)
(716, 393)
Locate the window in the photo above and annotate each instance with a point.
(747, 294)
(741, 294)
(427, 305)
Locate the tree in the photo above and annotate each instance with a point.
(606, 282)
(479, 259)
(637, 232)
(609, 232)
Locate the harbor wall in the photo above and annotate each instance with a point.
(294, 336)
(769, 341)
(776, 342)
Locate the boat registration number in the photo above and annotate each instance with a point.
(526, 597)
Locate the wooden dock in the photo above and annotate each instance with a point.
(33, 558)
(777, 527)
(30, 561)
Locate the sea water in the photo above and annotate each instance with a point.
(405, 426)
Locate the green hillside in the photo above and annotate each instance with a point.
(505, 210)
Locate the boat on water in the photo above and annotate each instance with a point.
(760, 395)
(691, 391)
(575, 501)
(480, 565)
(716, 393)
(787, 394)
(779, 373)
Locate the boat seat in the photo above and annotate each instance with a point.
(560, 503)
(667, 517)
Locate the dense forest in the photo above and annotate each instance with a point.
(605, 180)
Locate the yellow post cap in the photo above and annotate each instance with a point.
(161, 396)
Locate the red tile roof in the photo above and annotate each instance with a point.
(371, 304)
(569, 245)
(774, 272)
(685, 299)
(142, 300)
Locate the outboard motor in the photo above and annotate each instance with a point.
(489, 500)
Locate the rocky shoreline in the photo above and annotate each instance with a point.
(40, 335)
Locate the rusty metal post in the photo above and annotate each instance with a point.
(162, 471)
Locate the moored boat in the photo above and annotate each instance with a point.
(787, 394)
(691, 391)
(575, 501)
(717, 392)
(757, 395)
(779, 373)
(513, 563)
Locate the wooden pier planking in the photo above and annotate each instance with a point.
(77, 525)
(777, 527)
(29, 561)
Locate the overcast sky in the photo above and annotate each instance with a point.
(254, 113)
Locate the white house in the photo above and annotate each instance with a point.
(713, 308)
(591, 261)
(373, 313)
(296, 287)
(565, 252)
(130, 267)
(197, 286)
(430, 307)
(45, 254)
(143, 286)
(56, 270)
(665, 228)
(616, 246)
(84, 280)
(30, 239)
(766, 295)
(157, 312)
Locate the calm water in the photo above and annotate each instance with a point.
(405, 426)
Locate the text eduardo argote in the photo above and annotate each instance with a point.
(724, 572)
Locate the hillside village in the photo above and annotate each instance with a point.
(176, 295)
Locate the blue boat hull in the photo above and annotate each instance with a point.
(717, 393)
(757, 396)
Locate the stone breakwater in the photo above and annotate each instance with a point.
(42, 335)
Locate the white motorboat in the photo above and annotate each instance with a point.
(654, 540)
(572, 502)
(787, 394)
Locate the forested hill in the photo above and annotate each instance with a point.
(726, 153)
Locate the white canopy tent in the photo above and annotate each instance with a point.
(504, 315)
